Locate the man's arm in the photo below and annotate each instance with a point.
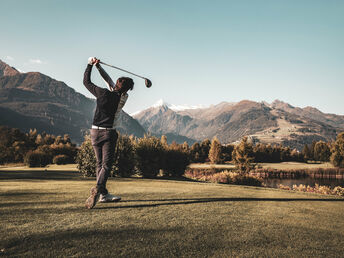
(110, 84)
(121, 103)
(94, 89)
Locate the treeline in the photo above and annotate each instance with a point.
(35, 149)
(148, 156)
(317, 151)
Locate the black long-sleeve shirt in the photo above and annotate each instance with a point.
(107, 101)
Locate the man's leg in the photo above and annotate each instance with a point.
(97, 142)
(108, 151)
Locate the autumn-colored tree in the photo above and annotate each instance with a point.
(204, 150)
(215, 151)
(243, 156)
(337, 157)
(322, 151)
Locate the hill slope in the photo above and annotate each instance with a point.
(49, 105)
(273, 123)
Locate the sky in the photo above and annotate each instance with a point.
(194, 52)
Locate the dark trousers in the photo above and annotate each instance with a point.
(104, 143)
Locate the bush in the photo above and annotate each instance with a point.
(124, 160)
(225, 177)
(62, 159)
(37, 159)
(149, 155)
(175, 162)
(320, 189)
(86, 158)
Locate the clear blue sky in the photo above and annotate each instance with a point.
(195, 52)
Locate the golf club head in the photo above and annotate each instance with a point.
(148, 83)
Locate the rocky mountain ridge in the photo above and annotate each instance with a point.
(34, 100)
(275, 123)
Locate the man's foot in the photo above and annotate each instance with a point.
(109, 198)
(92, 200)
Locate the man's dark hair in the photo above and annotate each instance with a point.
(125, 84)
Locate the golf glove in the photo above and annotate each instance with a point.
(91, 60)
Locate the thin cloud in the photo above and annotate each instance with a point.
(9, 58)
(35, 61)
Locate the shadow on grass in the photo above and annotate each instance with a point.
(32, 174)
(98, 242)
(164, 202)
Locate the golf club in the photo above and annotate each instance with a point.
(147, 81)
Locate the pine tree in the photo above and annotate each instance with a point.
(215, 151)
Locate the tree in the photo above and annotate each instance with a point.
(243, 156)
(215, 151)
(164, 141)
(195, 152)
(204, 150)
(322, 151)
(337, 157)
(307, 154)
(226, 152)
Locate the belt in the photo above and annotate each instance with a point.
(102, 128)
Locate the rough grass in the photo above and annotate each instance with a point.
(281, 165)
(163, 218)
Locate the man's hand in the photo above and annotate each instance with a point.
(92, 60)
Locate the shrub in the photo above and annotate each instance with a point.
(86, 158)
(62, 159)
(37, 159)
(226, 177)
(124, 160)
(323, 189)
(175, 162)
(149, 155)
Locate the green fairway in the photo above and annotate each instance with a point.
(43, 214)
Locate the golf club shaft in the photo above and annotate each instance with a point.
(122, 70)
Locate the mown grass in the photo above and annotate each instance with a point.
(163, 218)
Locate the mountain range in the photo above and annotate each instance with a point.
(34, 100)
(275, 123)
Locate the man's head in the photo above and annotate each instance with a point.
(124, 84)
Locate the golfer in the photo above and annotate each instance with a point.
(110, 102)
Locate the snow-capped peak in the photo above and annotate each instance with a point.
(162, 103)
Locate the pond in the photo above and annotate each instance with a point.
(331, 182)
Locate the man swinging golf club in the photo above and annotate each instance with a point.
(110, 102)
